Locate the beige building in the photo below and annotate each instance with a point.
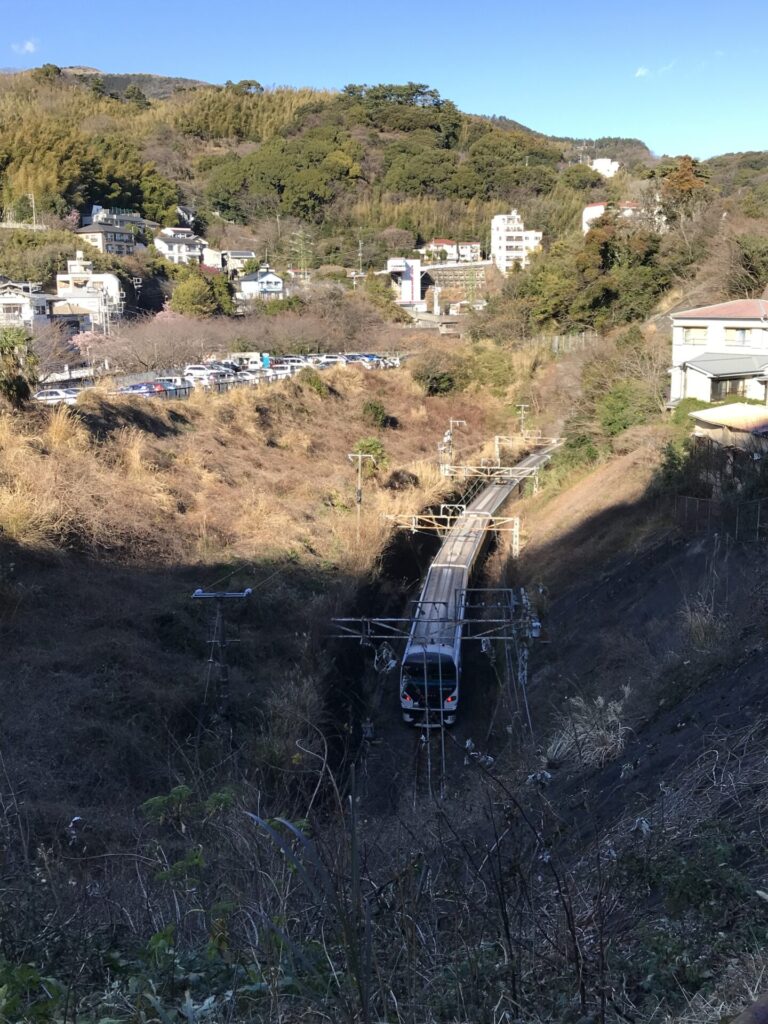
(108, 238)
(733, 426)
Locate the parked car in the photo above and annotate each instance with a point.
(176, 383)
(331, 359)
(145, 388)
(197, 371)
(57, 396)
(292, 363)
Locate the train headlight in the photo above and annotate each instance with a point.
(450, 700)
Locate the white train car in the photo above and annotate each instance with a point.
(430, 674)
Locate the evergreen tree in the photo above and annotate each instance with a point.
(18, 366)
(194, 295)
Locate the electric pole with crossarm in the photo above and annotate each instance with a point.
(359, 490)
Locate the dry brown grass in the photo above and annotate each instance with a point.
(590, 732)
(244, 474)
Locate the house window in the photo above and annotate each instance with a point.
(736, 335)
(727, 387)
(694, 335)
(12, 312)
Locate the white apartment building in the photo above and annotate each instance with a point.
(100, 295)
(720, 352)
(510, 242)
(180, 245)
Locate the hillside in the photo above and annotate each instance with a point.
(351, 178)
(154, 87)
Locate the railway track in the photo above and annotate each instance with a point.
(429, 765)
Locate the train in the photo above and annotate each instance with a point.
(430, 669)
(430, 673)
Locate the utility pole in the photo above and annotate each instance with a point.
(359, 491)
(217, 658)
(522, 412)
(301, 249)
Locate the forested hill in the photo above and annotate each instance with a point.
(365, 159)
(350, 177)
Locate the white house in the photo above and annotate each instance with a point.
(23, 304)
(592, 211)
(263, 284)
(447, 250)
(605, 166)
(108, 238)
(720, 352)
(101, 295)
(233, 261)
(510, 242)
(180, 245)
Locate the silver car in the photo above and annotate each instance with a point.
(57, 396)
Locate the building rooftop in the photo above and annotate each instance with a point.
(739, 309)
(737, 416)
(724, 364)
(100, 229)
(259, 275)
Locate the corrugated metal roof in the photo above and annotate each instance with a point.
(723, 364)
(737, 416)
(739, 309)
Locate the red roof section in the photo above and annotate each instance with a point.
(442, 241)
(739, 309)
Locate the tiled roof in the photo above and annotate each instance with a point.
(739, 309)
(723, 364)
(100, 229)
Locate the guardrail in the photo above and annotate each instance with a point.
(220, 386)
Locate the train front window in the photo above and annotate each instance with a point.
(435, 673)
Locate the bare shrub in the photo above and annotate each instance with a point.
(590, 732)
(705, 626)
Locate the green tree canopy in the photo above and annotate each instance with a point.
(195, 296)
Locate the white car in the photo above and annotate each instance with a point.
(197, 371)
(332, 360)
(57, 396)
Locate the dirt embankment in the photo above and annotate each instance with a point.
(113, 513)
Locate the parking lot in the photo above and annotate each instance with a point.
(215, 375)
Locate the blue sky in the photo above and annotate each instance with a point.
(684, 76)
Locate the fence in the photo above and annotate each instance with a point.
(745, 520)
(561, 343)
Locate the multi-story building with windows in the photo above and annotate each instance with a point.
(108, 238)
(510, 243)
(180, 245)
(100, 295)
